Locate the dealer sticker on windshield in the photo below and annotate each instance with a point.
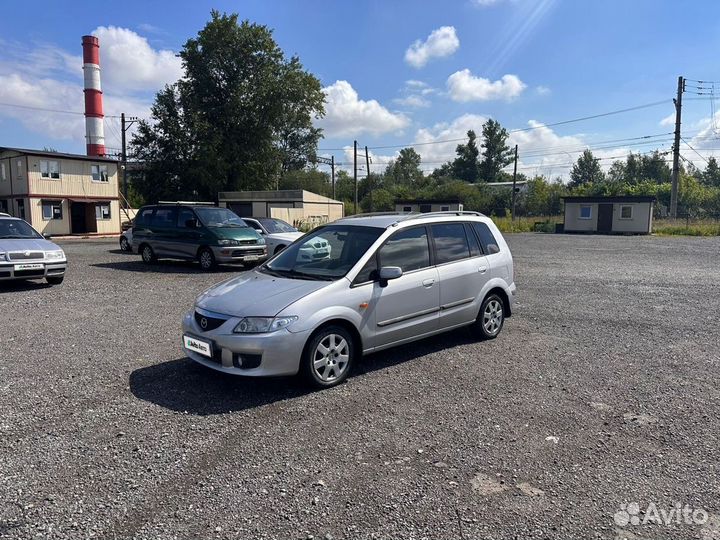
(197, 345)
(29, 266)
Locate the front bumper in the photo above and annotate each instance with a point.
(254, 355)
(240, 254)
(8, 270)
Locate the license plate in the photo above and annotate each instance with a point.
(251, 257)
(29, 266)
(197, 345)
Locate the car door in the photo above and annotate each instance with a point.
(163, 230)
(462, 270)
(498, 261)
(406, 307)
(189, 234)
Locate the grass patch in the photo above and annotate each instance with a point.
(527, 224)
(681, 227)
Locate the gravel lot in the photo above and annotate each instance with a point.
(601, 390)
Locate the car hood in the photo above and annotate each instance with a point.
(27, 244)
(289, 237)
(237, 233)
(256, 294)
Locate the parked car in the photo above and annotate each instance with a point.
(277, 233)
(26, 254)
(126, 240)
(390, 279)
(207, 234)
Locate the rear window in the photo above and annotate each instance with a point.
(450, 242)
(487, 240)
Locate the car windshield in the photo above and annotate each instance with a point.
(16, 228)
(219, 217)
(276, 226)
(327, 253)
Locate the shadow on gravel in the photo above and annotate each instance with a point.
(184, 386)
(164, 267)
(19, 286)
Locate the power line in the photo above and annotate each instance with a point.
(60, 111)
(696, 152)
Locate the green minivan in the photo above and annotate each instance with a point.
(208, 234)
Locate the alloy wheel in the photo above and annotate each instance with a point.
(493, 317)
(331, 357)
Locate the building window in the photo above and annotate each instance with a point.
(3, 173)
(102, 211)
(626, 212)
(52, 210)
(4, 206)
(585, 212)
(444, 208)
(407, 208)
(99, 173)
(50, 169)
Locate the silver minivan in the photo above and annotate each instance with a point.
(388, 280)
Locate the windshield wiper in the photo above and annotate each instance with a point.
(295, 274)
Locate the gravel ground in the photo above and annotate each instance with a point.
(602, 390)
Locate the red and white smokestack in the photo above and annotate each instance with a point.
(94, 129)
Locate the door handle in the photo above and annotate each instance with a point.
(427, 283)
(482, 269)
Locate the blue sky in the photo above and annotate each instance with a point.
(523, 62)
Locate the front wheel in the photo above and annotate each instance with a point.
(206, 259)
(328, 357)
(491, 318)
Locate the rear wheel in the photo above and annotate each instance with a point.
(206, 259)
(147, 254)
(491, 318)
(328, 357)
(55, 280)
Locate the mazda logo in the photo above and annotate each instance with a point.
(203, 323)
(27, 253)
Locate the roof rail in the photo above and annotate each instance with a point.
(193, 203)
(441, 214)
(371, 214)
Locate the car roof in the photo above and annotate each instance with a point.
(387, 219)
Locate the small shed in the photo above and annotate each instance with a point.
(609, 215)
(427, 205)
(295, 206)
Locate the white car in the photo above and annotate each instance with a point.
(126, 240)
(277, 234)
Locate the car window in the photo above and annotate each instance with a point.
(475, 249)
(254, 224)
(219, 217)
(143, 218)
(487, 240)
(15, 228)
(274, 225)
(450, 242)
(185, 215)
(164, 217)
(368, 272)
(407, 249)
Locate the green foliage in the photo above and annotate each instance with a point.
(465, 167)
(309, 180)
(240, 116)
(405, 169)
(586, 170)
(711, 175)
(496, 153)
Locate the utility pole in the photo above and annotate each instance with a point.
(367, 165)
(355, 174)
(512, 215)
(326, 161)
(124, 126)
(676, 148)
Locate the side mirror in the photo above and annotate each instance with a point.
(389, 272)
(47, 236)
(191, 223)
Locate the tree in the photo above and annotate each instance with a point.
(496, 153)
(405, 169)
(586, 170)
(711, 174)
(240, 116)
(465, 166)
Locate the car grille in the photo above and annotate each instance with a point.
(248, 242)
(239, 253)
(211, 323)
(25, 255)
(29, 273)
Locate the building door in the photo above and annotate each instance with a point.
(77, 218)
(605, 218)
(242, 209)
(21, 208)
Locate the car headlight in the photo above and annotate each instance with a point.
(58, 255)
(262, 325)
(228, 242)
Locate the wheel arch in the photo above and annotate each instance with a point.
(503, 296)
(345, 324)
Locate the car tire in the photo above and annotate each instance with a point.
(278, 249)
(124, 244)
(328, 357)
(491, 318)
(206, 258)
(54, 280)
(147, 254)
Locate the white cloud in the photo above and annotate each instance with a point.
(485, 3)
(463, 86)
(444, 138)
(669, 120)
(440, 43)
(128, 62)
(542, 90)
(347, 115)
(413, 101)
